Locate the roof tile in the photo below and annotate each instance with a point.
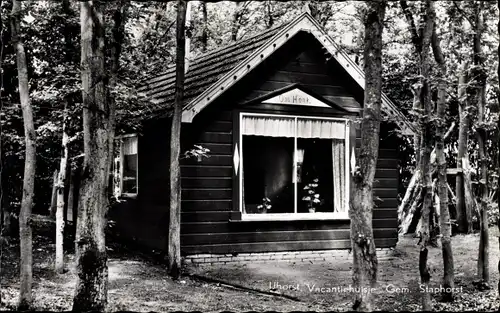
(203, 71)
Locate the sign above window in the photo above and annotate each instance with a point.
(296, 97)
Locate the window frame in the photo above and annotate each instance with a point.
(121, 193)
(295, 215)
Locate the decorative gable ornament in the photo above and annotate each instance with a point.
(296, 97)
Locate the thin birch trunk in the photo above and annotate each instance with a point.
(442, 183)
(481, 136)
(25, 232)
(498, 127)
(463, 211)
(235, 26)
(53, 198)
(270, 17)
(365, 261)
(59, 262)
(204, 34)
(174, 249)
(118, 35)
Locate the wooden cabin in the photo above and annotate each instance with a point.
(277, 112)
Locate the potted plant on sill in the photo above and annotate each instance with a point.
(265, 206)
(312, 197)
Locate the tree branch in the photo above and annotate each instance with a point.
(464, 14)
(415, 38)
(450, 130)
(436, 49)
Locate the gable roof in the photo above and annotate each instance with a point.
(204, 70)
(211, 74)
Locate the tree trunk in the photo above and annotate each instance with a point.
(420, 38)
(410, 194)
(204, 34)
(464, 214)
(25, 233)
(68, 56)
(187, 40)
(53, 198)
(98, 119)
(480, 97)
(59, 262)
(498, 127)
(470, 198)
(3, 210)
(76, 179)
(235, 26)
(118, 32)
(442, 183)
(174, 227)
(270, 17)
(417, 139)
(425, 166)
(360, 211)
(7, 220)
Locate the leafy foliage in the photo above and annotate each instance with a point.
(52, 44)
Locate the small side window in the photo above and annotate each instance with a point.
(126, 167)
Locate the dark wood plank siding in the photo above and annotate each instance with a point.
(145, 219)
(208, 207)
(209, 218)
(307, 67)
(386, 184)
(259, 246)
(207, 184)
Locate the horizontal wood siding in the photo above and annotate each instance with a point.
(249, 226)
(207, 184)
(208, 220)
(283, 236)
(303, 62)
(210, 223)
(145, 219)
(386, 184)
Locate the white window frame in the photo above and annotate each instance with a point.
(121, 193)
(295, 215)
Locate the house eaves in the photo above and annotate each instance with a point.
(304, 22)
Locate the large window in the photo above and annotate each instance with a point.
(293, 167)
(126, 167)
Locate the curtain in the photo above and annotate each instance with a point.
(272, 126)
(269, 126)
(129, 145)
(326, 129)
(339, 179)
(299, 162)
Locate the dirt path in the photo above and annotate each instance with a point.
(136, 284)
(327, 285)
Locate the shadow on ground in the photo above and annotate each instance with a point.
(141, 284)
(329, 285)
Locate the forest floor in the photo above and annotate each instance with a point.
(137, 283)
(326, 284)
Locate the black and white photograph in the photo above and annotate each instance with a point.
(211, 156)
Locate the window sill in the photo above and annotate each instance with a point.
(294, 217)
(128, 196)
